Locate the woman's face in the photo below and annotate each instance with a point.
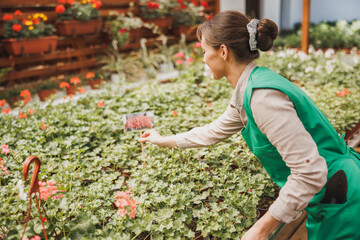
(213, 59)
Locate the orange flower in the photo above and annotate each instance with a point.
(31, 111)
(204, 4)
(36, 21)
(81, 90)
(61, 1)
(8, 17)
(71, 2)
(6, 110)
(70, 95)
(208, 105)
(2, 102)
(42, 126)
(175, 113)
(74, 80)
(59, 9)
(90, 75)
(18, 13)
(22, 115)
(100, 104)
(17, 27)
(64, 85)
(25, 93)
(96, 4)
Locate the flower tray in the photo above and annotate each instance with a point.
(164, 23)
(45, 93)
(30, 46)
(74, 28)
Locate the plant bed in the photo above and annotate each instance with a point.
(30, 46)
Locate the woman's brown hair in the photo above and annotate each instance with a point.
(229, 28)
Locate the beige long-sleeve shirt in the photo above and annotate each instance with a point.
(276, 117)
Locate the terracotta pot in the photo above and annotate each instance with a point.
(71, 89)
(30, 46)
(134, 35)
(161, 22)
(95, 83)
(74, 28)
(45, 93)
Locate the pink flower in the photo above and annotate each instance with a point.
(126, 203)
(48, 190)
(180, 55)
(189, 60)
(5, 149)
(179, 61)
(3, 168)
(198, 45)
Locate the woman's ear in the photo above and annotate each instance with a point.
(224, 52)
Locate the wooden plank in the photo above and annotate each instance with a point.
(300, 234)
(305, 26)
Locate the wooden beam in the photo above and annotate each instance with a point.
(305, 26)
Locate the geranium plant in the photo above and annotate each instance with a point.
(189, 13)
(34, 26)
(85, 10)
(119, 26)
(156, 9)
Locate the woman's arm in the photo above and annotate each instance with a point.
(223, 127)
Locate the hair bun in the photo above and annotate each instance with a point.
(267, 31)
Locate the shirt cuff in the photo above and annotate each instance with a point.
(282, 213)
(181, 140)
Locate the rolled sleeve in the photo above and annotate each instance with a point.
(222, 128)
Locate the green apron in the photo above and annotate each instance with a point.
(325, 221)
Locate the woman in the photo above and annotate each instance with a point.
(283, 127)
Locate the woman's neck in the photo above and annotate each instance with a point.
(234, 72)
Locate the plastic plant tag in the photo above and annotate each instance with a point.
(138, 121)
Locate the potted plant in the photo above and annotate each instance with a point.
(94, 79)
(78, 18)
(187, 16)
(158, 12)
(123, 28)
(28, 35)
(46, 90)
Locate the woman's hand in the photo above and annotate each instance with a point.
(152, 136)
(262, 228)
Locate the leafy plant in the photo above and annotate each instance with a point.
(85, 10)
(156, 9)
(189, 13)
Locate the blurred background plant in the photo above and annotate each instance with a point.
(156, 9)
(85, 10)
(189, 13)
(33, 26)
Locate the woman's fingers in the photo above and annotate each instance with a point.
(147, 136)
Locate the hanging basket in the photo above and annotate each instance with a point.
(30, 46)
(74, 28)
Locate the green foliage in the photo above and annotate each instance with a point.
(79, 11)
(342, 34)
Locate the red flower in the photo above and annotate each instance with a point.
(195, 3)
(180, 1)
(343, 93)
(36, 21)
(24, 21)
(97, 4)
(74, 80)
(204, 4)
(5, 149)
(209, 17)
(64, 85)
(60, 9)
(100, 104)
(180, 55)
(70, 95)
(31, 111)
(44, 220)
(42, 125)
(25, 93)
(61, 1)
(71, 2)
(17, 27)
(175, 113)
(2, 102)
(152, 5)
(22, 115)
(6, 110)
(250, 190)
(198, 45)
(90, 75)
(123, 30)
(8, 17)
(183, 6)
(18, 13)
